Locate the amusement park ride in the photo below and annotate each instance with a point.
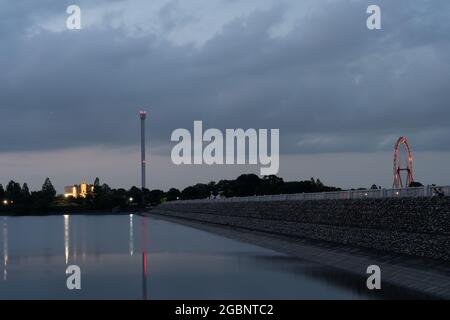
(398, 182)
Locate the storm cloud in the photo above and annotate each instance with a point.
(310, 68)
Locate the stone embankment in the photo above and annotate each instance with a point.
(412, 226)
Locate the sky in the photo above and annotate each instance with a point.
(340, 94)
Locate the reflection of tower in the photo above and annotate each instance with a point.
(131, 235)
(5, 248)
(66, 237)
(144, 258)
(144, 276)
(143, 116)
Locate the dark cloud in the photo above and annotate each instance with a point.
(329, 84)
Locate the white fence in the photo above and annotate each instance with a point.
(427, 191)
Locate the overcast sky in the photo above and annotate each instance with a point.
(339, 93)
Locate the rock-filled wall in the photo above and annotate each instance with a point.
(413, 226)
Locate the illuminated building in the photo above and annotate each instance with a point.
(79, 190)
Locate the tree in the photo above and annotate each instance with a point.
(270, 185)
(198, 191)
(96, 183)
(25, 195)
(136, 195)
(246, 185)
(213, 188)
(374, 187)
(2, 192)
(224, 188)
(13, 191)
(155, 197)
(173, 194)
(48, 190)
(319, 183)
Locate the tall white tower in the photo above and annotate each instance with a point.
(143, 116)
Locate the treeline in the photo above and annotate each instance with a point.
(18, 198)
(245, 185)
(252, 185)
(106, 198)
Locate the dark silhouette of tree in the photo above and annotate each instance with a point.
(155, 197)
(198, 191)
(48, 191)
(106, 198)
(224, 188)
(319, 183)
(135, 195)
(415, 184)
(25, 194)
(105, 188)
(96, 183)
(246, 185)
(212, 186)
(173, 194)
(270, 185)
(13, 191)
(374, 187)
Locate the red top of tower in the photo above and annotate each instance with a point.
(143, 114)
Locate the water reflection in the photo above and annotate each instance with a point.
(5, 248)
(66, 237)
(135, 257)
(144, 257)
(131, 235)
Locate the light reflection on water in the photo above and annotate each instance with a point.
(132, 257)
(5, 248)
(66, 237)
(131, 235)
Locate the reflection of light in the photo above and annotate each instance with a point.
(144, 258)
(5, 248)
(144, 261)
(131, 236)
(66, 237)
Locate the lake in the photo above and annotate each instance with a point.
(135, 257)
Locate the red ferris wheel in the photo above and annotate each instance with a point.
(398, 183)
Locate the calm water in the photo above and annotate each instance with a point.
(132, 257)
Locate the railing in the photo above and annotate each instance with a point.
(426, 191)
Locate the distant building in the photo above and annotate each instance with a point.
(79, 190)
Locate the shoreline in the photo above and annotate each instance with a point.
(73, 212)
